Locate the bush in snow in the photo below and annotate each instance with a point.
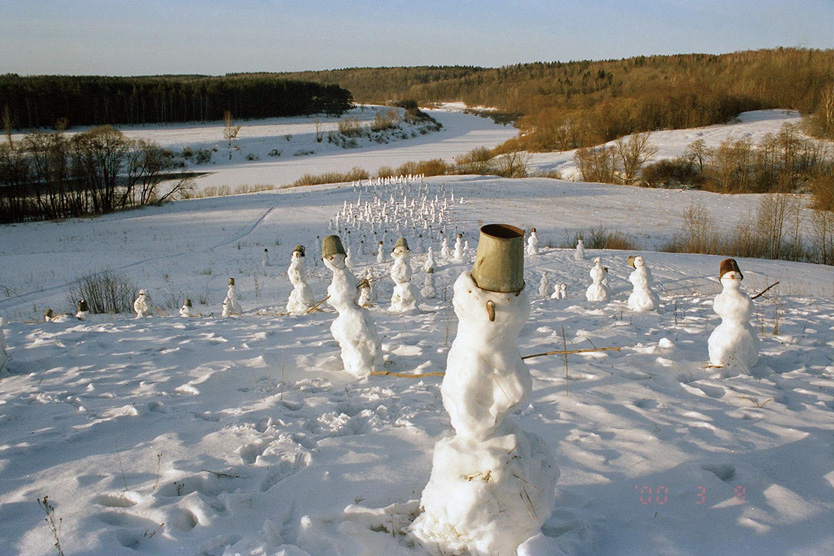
(104, 291)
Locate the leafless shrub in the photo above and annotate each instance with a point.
(104, 291)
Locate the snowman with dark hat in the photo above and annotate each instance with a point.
(353, 328)
(404, 297)
(301, 297)
(231, 305)
(492, 484)
(734, 341)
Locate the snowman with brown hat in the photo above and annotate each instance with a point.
(301, 297)
(404, 297)
(734, 341)
(353, 328)
(492, 484)
(533, 243)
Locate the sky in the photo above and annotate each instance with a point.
(213, 37)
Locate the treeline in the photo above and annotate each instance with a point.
(48, 175)
(49, 101)
(580, 104)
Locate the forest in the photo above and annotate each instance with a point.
(50, 101)
(566, 105)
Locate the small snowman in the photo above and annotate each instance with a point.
(579, 254)
(544, 286)
(265, 258)
(231, 305)
(143, 305)
(404, 297)
(533, 243)
(734, 341)
(642, 298)
(492, 484)
(458, 253)
(560, 291)
(380, 254)
(598, 290)
(365, 293)
(83, 312)
(301, 297)
(187, 309)
(428, 291)
(444, 249)
(429, 263)
(353, 328)
(466, 254)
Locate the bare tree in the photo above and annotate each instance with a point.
(633, 153)
(822, 226)
(597, 164)
(697, 153)
(8, 124)
(230, 130)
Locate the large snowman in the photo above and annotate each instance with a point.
(353, 329)
(301, 297)
(404, 296)
(642, 298)
(598, 290)
(734, 341)
(492, 484)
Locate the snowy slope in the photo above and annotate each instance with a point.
(244, 436)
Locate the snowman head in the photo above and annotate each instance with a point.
(597, 261)
(335, 261)
(638, 261)
(730, 274)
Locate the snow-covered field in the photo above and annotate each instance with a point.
(243, 435)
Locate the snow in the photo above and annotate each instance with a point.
(246, 436)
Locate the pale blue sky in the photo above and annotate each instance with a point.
(141, 37)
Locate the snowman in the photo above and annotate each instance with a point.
(365, 292)
(544, 286)
(353, 328)
(533, 244)
(458, 252)
(642, 298)
(83, 312)
(734, 341)
(579, 254)
(404, 297)
(187, 309)
(560, 291)
(231, 306)
(428, 291)
(598, 290)
(492, 484)
(265, 258)
(444, 249)
(301, 296)
(429, 263)
(380, 255)
(143, 305)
